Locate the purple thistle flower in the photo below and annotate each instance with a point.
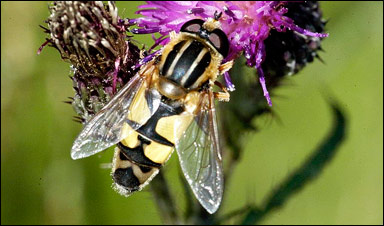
(247, 24)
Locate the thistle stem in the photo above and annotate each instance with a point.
(164, 200)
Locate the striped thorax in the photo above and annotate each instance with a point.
(191, 58)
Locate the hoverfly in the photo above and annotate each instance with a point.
(167, 105)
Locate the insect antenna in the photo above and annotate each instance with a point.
(217, 15)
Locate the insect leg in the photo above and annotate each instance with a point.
(225, 67)
(221, 96)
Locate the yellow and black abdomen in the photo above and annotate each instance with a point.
(140, 155)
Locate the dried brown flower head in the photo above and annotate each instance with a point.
(92, 37)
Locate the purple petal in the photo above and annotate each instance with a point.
(42, 46)
(263, 85)
(117, 67)
(146, 59)
(195, 11)
(145, 30)
(227, 78)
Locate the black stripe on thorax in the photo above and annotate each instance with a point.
(198, 71)
(185, 62)
(171, 57)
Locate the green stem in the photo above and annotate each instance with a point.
(164, 200)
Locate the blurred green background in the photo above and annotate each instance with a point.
(41, 184)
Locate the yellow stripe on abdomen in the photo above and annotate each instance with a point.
(158, 153)
(129, 136)
(172, 127)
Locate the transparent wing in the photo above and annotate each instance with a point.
(200, 157)
(104, 129)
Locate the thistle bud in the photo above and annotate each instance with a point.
(92, 37)
(288, 52)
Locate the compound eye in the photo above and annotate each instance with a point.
(220, 41)
(192, 26)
